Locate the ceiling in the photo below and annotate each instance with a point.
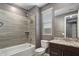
(28, 6)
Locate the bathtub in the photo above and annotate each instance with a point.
(25, 49)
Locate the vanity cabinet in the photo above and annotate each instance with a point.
(62, 50)
(55, 52)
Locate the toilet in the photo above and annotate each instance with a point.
(44, 46)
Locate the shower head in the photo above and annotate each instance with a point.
(28, 15)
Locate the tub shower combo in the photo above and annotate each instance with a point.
(23, 49)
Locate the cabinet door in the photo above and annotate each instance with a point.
(70, 53)
(67, 53)
(55, 52)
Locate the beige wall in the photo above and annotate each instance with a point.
(58, 6)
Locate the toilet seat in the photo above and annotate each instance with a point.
(40, 50)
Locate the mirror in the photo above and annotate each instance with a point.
(65, 23)
(71, 26)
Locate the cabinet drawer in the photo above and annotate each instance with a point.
(54, 45)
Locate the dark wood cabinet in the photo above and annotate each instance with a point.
(55, 52)
(62, 50)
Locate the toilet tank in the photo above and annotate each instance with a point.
(44, 43)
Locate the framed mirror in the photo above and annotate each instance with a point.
(70, 27)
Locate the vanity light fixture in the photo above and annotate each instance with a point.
(71, 16)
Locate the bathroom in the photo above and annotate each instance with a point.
(39, 29)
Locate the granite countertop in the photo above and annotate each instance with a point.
(74, 43)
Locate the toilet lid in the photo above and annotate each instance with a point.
(39, 50)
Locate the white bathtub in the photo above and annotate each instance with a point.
(18, 50)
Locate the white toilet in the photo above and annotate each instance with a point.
(41, 50)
